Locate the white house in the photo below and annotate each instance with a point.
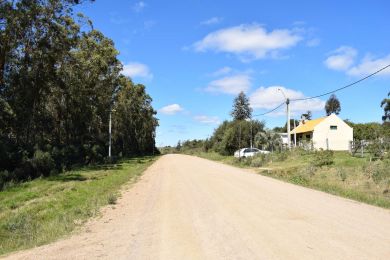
(328, 133)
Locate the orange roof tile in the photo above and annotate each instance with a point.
(308, 126)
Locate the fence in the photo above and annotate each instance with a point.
(373, 149)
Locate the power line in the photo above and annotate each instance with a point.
(327, 93)
(347, 86)
(270, 111)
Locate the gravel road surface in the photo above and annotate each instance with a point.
(185, 207)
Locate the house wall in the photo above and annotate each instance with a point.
(338, 140)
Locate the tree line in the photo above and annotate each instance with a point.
(59, 80)
(243, 131)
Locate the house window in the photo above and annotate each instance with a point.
(333, 127)
(307, 136)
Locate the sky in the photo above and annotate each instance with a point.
(195, 56)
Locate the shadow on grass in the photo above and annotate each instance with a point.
(104, 167)
(68, 177)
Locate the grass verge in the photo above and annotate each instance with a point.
(40, 211)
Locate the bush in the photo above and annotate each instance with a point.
(377, 149)
(342, 174)
(25, 171)
(309, 170)
(257, 162)
(322, 158)
(42, 163)
(299, 180)
(281, 156)
(112, 199)
(381, 172)
(5, 177)
(94, 154)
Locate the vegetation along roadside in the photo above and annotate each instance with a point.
(42, 210)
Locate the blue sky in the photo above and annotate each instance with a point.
(194, 56)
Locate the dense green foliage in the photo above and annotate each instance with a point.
(268, 140)
(232, 135)
(241, 109)
(226, 139)
(323, 158)
(58, 83)
(386, 109)
(369, 131)
(332, 105)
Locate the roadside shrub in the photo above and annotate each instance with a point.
(25, 171)
(342, 174)
(381, 172)
(42, 163)
(376, 148)
(258, 161)
(369, 169)
(246, 161)
(309, 170)
(281, 156)
(299, 180)
(93, 154)
(5, 176)
(322, 158)
(112, 199)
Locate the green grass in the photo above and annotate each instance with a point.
(40, 211)
(349, 177)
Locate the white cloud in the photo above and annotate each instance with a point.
(213, 120)
(136, 69)
(341, 59)
(270, 97)
(222, 71)
(369, 65)
(211, 21)
(249, 41)
(139, 6)
(171, 109)
(232, 84)
(313, 42)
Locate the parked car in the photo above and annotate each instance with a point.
(248, 152)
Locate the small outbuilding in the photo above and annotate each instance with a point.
(328, 133)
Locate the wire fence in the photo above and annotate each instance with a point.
(373, 149)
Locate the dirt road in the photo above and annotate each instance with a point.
(190, 208)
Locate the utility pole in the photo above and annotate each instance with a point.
(251, 134)
(109, 138)
(295, 135)
(288, 118)
(288, 123)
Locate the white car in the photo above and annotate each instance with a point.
(248, 152)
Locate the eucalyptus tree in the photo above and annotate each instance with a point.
(241, 108)
(385, 104)
(134, 119)
(57, 84)
(332, 105)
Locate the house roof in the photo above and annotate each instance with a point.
(308, 126)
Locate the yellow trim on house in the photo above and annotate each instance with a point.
(308, 126)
